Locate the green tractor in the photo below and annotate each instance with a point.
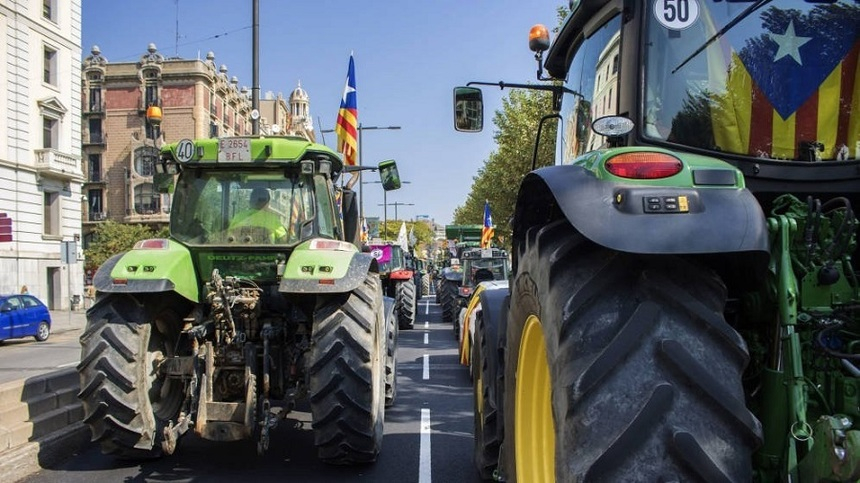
(684, 302)
(398, 281)
(260, 299)
(479, 265)
(460, 238)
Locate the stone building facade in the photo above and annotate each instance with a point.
(40, 165)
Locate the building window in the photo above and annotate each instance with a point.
(50, 133)
(144, 160)
(94, 166)
(151, 95)
(95, 205)
(96, 99)
(50, 66)
(213, 130)
(146, 200)
(52, 213)
(49, 10)
(96, 131)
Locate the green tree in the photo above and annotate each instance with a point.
(110, 238)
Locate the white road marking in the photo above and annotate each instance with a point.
(426, 307)
(426, 338)
(426, 367)
(426, 324)
(424, 466)
(68, 364)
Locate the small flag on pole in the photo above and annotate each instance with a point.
(347, 119)
(401, 238)
(488, 231)
(365, 232)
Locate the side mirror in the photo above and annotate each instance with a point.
(163, 176)
(388, 175)
(468, 109)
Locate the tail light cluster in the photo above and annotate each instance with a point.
(644, 165)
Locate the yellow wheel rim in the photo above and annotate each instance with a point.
(533, 421)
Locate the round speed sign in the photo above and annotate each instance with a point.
(185, 150)
(676, 14)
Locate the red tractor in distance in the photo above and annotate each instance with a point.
(397, 281)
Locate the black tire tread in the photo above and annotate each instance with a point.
(114, 382)
(347, 362)
(642, 361)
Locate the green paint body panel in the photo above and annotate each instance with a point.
(307, 264)
(173, 264)
(595, 162)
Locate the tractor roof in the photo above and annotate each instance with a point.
(249, 150)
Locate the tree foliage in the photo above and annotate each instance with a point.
(422, 231)
(110, 238)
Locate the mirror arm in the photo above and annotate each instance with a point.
(557, 89)
(537, 138)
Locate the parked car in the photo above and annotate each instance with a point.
(24, 316)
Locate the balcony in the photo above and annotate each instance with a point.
(98, 216)
(53, 163)
(94, 139)
(94, 108)
(96, 177)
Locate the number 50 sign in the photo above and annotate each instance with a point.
(676, 14)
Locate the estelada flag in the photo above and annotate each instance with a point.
(797, 82)
(488, 231)
(347, 119)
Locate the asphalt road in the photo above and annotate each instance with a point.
(23, 358)
(428, 432)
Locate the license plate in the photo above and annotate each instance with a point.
(234, 150)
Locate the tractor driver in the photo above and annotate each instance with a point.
(260, 215)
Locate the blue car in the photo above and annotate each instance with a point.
(24, 316)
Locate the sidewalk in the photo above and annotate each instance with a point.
(66, 321)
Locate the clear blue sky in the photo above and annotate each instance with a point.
(409, 55)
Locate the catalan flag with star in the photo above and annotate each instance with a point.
(488, 231)
(795, 83)
(347, 119)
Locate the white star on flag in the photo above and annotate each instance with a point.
(789, 43)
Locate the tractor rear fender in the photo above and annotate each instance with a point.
(494, 310)
(326, 271)
(624, 216)
(161, 266)
(451, 276)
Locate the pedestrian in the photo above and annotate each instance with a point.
(24, 289)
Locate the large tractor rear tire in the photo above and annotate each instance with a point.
(347, 375)
(621, 367)
(405, 304)
(486, 417)
(391, 356)
(126, 403)
(449, 301)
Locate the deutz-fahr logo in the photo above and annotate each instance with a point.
(241, 258)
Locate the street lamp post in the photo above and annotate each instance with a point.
(360, 129)
(396, 204)
(385, 204)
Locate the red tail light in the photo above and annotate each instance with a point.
(152, 244)
(644, 165)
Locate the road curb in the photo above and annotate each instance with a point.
(25, 460)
